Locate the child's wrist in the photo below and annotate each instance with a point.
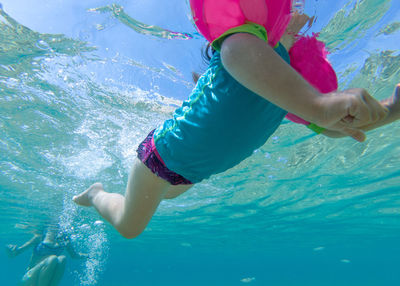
(317, 129)
(328, 107)
(317, 110)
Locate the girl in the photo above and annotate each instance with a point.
(236, 105)
(47, 264)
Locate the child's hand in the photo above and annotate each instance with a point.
(348, 111)
(297, 22)
(393, 105)
(11, 250)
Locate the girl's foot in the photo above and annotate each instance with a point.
(86, 198)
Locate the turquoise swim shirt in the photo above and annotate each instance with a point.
(221, 123)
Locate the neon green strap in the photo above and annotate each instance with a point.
(317, 129)
(250, 28)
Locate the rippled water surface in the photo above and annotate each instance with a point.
(81, 84)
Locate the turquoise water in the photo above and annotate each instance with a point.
(81, 84)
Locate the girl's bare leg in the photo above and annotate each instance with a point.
(131, 213)
(58, 271)
(42, 274)
(175, 191)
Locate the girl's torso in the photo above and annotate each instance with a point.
(220, 125)
(45, 249)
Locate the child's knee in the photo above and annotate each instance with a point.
(61, 259)
(131, 233)
(51, 261)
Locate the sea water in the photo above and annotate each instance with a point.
(81, 84)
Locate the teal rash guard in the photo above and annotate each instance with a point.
(220, 125)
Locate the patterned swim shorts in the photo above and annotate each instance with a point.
(147, 153)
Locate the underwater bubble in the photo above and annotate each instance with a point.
(282, 160)
(98, 222)
(100, 27)
(248, 279)
(42, 45)
(84, 226)
(275, 139)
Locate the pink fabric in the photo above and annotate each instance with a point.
(308, 58)
(147, 153)
(214, 17)
(154, 149)
(296, 119)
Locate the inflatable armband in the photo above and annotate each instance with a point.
(214, 17)
(308, 58)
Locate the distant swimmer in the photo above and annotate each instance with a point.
(47, 264)
(261, 70)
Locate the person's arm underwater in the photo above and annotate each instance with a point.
(14, 250)
(256, 65)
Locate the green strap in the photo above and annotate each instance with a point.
(317, 129)
(250, 28)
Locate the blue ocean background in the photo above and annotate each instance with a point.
(82, 83)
